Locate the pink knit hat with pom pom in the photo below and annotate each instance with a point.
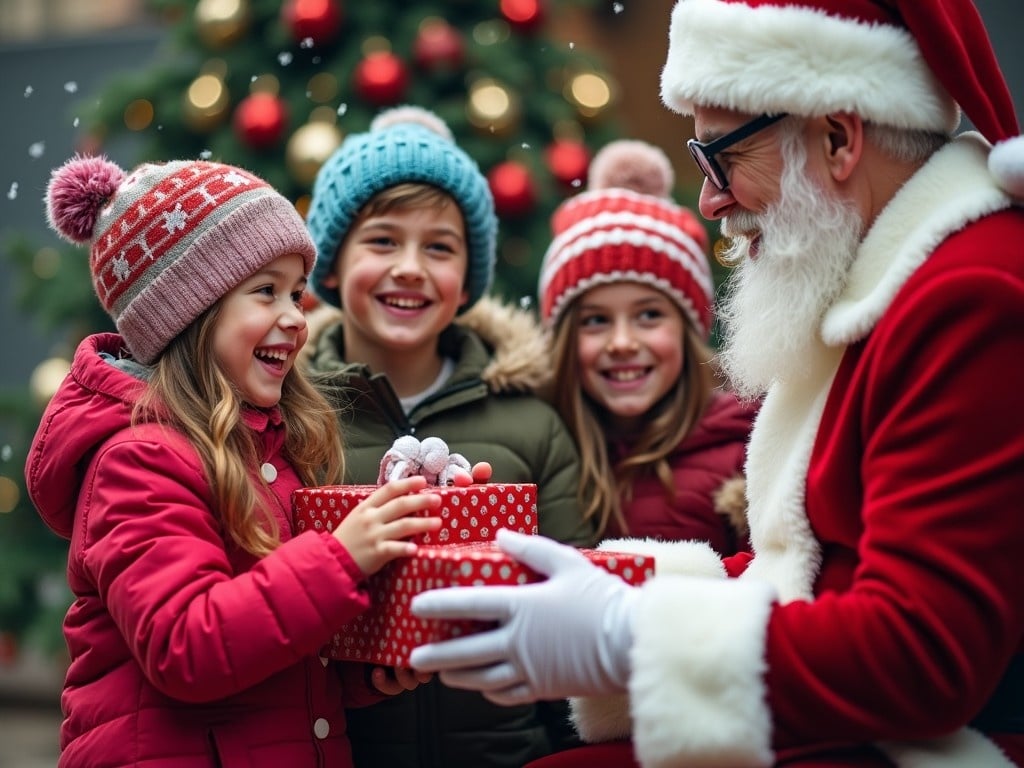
(169, 240)
(626, 227)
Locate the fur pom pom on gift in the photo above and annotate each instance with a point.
(632, 164)
(77, 192)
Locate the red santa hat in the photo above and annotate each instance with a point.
(900, 63)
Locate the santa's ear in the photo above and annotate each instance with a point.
(843, 143)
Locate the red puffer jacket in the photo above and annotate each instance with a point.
(710, 457)
(185, 650)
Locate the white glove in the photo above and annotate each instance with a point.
(567, 636)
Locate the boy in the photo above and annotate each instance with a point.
(405, 231)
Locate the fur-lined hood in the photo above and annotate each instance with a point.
(520, 357)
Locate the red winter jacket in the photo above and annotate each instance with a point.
(185, 650)
(712, 454)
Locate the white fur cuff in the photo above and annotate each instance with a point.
(697, 689)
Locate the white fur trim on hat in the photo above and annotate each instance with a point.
(799, 60)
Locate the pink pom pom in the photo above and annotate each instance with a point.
(634, 165)
(415, 115)
(77, 192)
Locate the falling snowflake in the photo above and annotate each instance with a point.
(618, 7)
(525, 145)
(12, 193)
(284, 58)
(576, 182)
(307, 42)
(572, 46)
(342, 109)
(525, 302)
(28, 91)
(71, 86)
(76, 122)
(206, 154)
(36, 150)
(5, 453)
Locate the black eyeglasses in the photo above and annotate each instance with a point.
(704, 154)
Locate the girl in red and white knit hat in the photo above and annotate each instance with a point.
(626, 290)
(168, 457)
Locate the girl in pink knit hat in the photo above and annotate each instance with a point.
(168, 457)
(626, 290)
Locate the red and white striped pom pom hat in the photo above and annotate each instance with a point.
(626, 227)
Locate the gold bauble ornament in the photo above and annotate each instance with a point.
(590, 92)
(492, 107)
(205, 103)
(308, 149)
(219, 23)
(9, 495)
(46, 379)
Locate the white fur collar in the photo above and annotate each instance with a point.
(951, 190)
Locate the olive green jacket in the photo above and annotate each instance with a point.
(487, 411)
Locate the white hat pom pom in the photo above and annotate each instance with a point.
(412, 114)
(1006, 164)
(632, 164)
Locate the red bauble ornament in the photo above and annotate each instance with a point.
(381, 78)
(523, 15)
(260, 120)
(309, 301)
(568, 161)
(438, 47)
(8, 649)
(512, 188)
(315, 20)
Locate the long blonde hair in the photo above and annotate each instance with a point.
(604, 487)
(189, 392)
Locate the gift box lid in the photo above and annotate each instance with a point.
(469, 513)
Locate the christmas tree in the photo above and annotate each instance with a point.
(274, 86)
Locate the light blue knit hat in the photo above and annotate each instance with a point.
(404, 144)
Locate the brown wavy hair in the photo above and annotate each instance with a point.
(190, 392)
(605, 487)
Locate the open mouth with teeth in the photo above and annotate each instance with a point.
(626, 374)
(403, 302)
(275, 358)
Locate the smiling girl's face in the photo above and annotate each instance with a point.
(630, 347)
(261, 328)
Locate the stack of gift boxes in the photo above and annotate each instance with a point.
(460, 553)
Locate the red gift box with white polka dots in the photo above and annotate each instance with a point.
(387, 632)
(469, 513)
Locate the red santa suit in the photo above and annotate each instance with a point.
(885, 486)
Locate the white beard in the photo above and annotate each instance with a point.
(772, 313)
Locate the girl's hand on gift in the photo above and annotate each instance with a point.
(394, 680)
(481, 474)
(377, 531)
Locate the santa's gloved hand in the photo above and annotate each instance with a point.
(567, 636)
